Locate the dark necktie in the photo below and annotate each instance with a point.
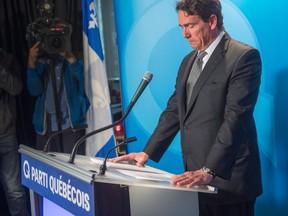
(194, 74)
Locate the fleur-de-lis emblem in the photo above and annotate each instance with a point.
(93, 22)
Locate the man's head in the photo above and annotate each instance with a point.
(201, 21)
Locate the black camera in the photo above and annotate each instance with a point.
(53, 34)
(57, 40)
(53, 38)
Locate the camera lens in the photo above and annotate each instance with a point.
(54, 44)
(57, 42)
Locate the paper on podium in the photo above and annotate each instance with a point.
(146, 172)
(148, 175)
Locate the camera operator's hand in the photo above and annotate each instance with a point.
(33, 55)
(69, 57)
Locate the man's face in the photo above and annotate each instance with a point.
(198, 33)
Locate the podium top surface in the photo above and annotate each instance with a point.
(87, 168)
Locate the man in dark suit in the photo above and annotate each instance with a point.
(218, 134)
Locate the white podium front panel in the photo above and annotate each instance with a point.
(154, 201)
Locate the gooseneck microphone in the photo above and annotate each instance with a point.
(103, 167)
(143, 84)
(75, 129)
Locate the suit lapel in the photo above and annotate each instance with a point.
(214, 60)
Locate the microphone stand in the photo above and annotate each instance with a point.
(47, 145)
(56, 92)
(103, 167)
(80, 140)
(145, 81)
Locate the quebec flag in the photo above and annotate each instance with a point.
(96, 85)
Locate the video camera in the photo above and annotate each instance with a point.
(53, 34)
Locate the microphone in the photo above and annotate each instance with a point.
(145, 81)
(103, 167)
(143, 84)
(75, 129)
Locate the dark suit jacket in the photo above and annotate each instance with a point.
(217, 129)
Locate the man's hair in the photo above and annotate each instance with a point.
(202, 8)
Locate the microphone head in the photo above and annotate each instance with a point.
(148, 76)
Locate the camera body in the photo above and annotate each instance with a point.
(53, 39)
(57, 40)
(53, 34)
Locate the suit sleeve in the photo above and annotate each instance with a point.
(232, 139)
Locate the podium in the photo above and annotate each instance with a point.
(124, 189)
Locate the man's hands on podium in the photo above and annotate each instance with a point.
(188, 179)
(138, 158)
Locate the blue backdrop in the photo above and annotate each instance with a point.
(149, 39)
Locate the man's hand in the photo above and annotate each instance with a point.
(190, 179)
(69, 57)
(33, 55)
(139, 158)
